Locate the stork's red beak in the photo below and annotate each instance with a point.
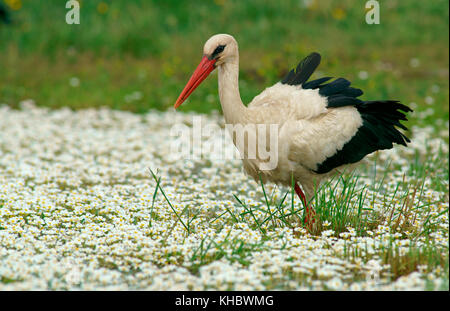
(203, 70)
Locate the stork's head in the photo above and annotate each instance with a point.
(218, 50)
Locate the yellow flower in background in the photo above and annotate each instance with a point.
(102, 7)
(338, 13)
(220, 2)
(14, 4)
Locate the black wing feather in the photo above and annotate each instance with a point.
(352, 92)
(335, 87)
(339, 100)
(314, 84)
(303, 71)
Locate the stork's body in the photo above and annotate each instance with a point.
(321, 126)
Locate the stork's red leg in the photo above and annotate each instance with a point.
(310, 213)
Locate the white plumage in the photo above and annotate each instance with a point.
(321, 127)
(309, 131)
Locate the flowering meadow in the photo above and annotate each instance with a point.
(90, 199)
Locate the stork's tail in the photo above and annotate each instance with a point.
(380, 119)
(378, 131)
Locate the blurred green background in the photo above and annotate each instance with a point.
(138, 55)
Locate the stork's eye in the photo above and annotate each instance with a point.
(218, 50)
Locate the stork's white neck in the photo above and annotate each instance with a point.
(233, 109)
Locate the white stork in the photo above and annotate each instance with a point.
(322, 126)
